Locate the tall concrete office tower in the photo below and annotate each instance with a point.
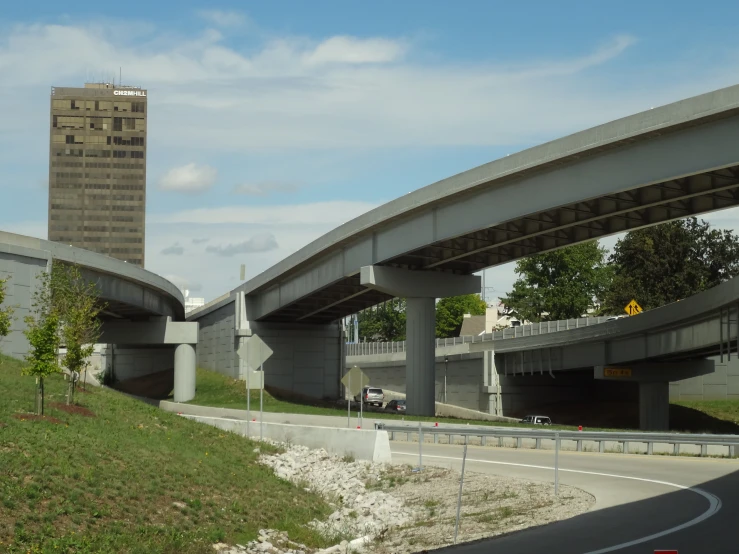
(97, 169)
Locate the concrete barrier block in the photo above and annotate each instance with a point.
(361, 444)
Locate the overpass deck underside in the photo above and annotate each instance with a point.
(535, 233)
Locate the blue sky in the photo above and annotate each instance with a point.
(272, 122)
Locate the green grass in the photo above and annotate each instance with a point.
(724, 411)
(109, 483)
(217, 390)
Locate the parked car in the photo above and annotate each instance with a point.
(537, 420)
(372, 396)
(395, 406)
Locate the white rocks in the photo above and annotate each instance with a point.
(359, 512)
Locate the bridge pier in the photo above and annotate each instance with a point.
(654, 406)
(420, 289)
(160, 333)
(420, 344)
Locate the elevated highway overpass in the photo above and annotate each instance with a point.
(663, 164)
(679, 341)
(142, 313)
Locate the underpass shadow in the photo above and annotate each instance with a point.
(604, 528)
(694, 421)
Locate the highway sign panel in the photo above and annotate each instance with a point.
(616, 372)
(355, 380)
(632, 308)
(254, 352)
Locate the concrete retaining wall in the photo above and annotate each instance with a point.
(722, 384)
(216, 349)
(130, 362)
(21, 266)
(359, 443)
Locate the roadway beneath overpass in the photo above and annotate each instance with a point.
(663, 164)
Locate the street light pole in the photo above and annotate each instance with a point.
(446, 363)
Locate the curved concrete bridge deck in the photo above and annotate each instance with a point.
(143, 313)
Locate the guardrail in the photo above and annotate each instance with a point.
(533, 329)
(730, 442)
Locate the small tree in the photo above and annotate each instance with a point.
(42, 332)
(385, 323)
(6, 314)
(65, 311)
(79, 307)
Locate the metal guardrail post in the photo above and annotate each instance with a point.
(483, 441)
(650, 448)
(676, 449)
(538, 444)
(519, 442)
(556, 464)
(579, 445)
(626, 447)
(601, 446)
(704, 450)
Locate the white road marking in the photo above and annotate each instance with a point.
(714, 502)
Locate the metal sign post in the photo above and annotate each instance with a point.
(461, 483)
(360, 422)
(248, 401)
(556, 464)
(349, 402)
(354, 380)
(254, 352)
(261, 404)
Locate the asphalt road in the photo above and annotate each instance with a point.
(637, 497)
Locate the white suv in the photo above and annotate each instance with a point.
(537, 420)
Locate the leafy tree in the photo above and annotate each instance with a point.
(65, 311)
(450, 312)
(42, 332)
(560, 284)
(6, 314)
(77, 303)
(666, 263)
(383, 323)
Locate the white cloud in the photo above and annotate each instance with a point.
(342, 92)
(223, 18)
(351, 50)
(189, 178)
(259, 243)
(264, 188)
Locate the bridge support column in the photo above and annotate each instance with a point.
(184, 373)
(420, 369)
(654, 406)
(420, 289)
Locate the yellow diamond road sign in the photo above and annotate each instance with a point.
(632, 308)
(355, 380)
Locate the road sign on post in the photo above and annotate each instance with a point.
(254, 352)
(354, 380)
(632, 308)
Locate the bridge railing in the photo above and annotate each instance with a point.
(600, 441)
(533, 329)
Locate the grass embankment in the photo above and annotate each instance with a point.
(706, 416)
(219, 391)
(130, 478)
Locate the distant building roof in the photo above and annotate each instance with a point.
(472, 325)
